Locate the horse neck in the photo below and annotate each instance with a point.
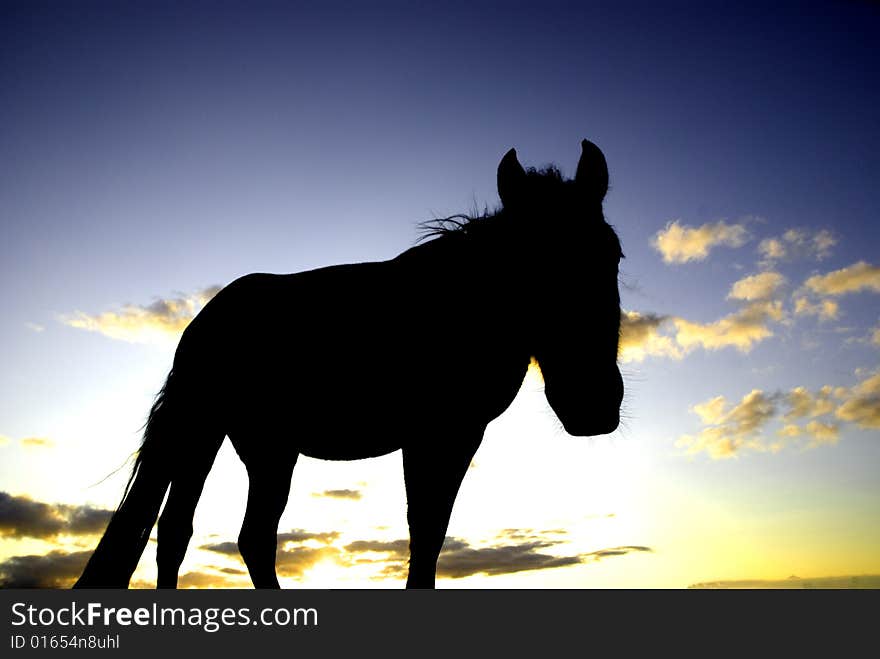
(467, 274)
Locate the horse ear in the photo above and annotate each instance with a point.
(511, 177)
(592, 172)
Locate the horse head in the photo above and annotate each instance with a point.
(572, 286)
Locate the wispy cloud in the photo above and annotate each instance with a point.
(741, 329)
(731, 429)
(37, 442)
(162, 320)
(354, 495)
(512, 550)
(860, 276)
(653, 335)
(797, 244)
(824, 309)
(679, 243)
(861, 403)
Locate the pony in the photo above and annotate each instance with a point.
(417, 353)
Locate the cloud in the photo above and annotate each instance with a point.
(679, 243)
(652, 335)
(37, 442)
(730, 430)
(460, 558)
(210, 580)
(797, 244)
(57, 569)
(850, 582)
(162, 320)
(741, 329)
(339, 494)
(823, 433)
(35, 327)
(4, 440)
(875, 336)
(757, 287)
(851, 279)
(824, 309)
(24, 517)
(802, 403)
(296, 562)
(294, 556)
(861, 403)
(640, 337)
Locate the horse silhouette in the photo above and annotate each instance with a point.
(417, 353)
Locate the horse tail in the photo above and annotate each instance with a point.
(117, 554)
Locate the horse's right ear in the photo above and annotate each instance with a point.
(592, 172)
(511, 178)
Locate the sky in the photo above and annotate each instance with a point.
(154, 152)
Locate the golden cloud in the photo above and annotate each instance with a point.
(823, 433)
(37, 442)
(825, 309)
(861, 404)
(740, 330)
(762, 286)
(804, 404)
(651, 335)
(730, 430)
(797, 244)
(851, 279)
(679, 243)
(162, 320)
(640, 337)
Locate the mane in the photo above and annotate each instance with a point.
(466, 224)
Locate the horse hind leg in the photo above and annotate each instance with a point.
(175, 524)
(268, 489)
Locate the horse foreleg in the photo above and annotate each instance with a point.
(267, 497)
(433, 477)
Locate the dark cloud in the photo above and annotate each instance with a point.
(57, 569)
(506, 559)
(871, 581)
(229, 570)
(292, 562)
(227, 547)
(296, 536)
(354, 495)
(300, 535)
(460, 559)
(615, 551)
(514, 550)
(24, 517)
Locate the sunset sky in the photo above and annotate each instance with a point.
(153, 153)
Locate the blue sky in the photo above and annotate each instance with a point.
(153, 150)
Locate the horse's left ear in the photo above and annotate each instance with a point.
(592, 172)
